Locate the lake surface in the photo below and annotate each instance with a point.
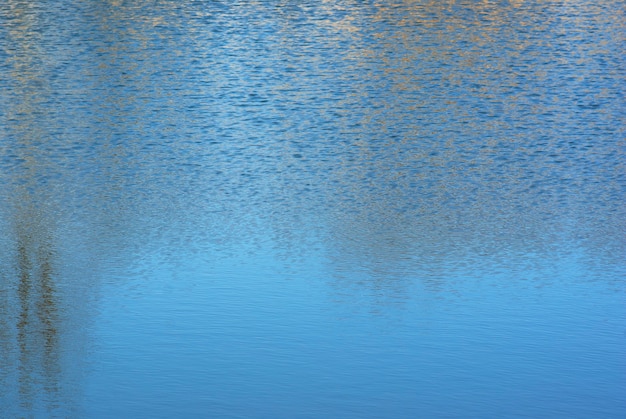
(284, 209)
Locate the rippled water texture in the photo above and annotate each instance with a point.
(333, 209)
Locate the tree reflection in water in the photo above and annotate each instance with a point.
(405, 150)
(32, 326)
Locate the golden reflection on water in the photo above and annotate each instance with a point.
(456, 183)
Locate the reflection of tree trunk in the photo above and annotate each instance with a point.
(23, 326)
(48, 316)
(36, 322)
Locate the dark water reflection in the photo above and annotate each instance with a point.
(342, 208)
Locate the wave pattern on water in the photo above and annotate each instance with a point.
(408, 179)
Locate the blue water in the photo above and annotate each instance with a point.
(281, 209)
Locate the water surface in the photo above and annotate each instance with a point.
(312, 209)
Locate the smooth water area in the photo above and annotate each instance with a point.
(285, 209)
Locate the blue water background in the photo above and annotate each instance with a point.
(283, 209)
